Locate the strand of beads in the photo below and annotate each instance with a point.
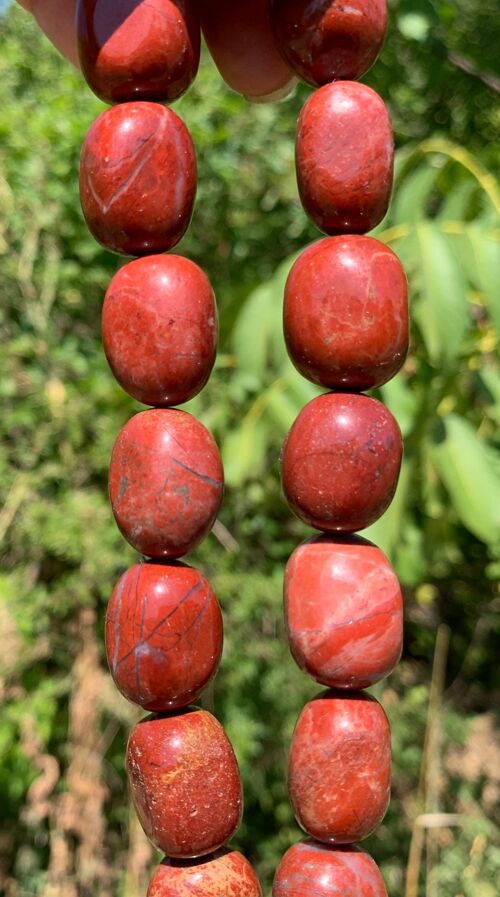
(346, 328)
(159, 325)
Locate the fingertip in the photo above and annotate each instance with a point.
(241, 42)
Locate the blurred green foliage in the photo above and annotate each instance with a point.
(61, 411)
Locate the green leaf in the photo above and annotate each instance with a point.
(300, 388)
(442, 310)
(410, 201)
(258, 333)
(490, 379)
(283, 408)
(457, 201)
(399, 397)
(252, 332)
(463, 462)
(386, 531)
(486, 250)
(414, 26)
(243, 451)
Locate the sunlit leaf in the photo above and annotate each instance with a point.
(410, 200)
(463, 462)
(402, 401)
(442, 311)
(457, 201)
(243, 451)
(486, 250)
(386, 532)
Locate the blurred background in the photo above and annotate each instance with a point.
(66, 827)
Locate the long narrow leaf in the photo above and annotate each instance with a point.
(442, 311)
(464, 465)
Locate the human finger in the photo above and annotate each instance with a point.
(57, 20)
(240, 39)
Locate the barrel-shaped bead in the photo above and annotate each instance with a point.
(326, 41)
(165, 482)
(163, 635)
(159, 329)
(185, 782)
(138, 178)
(138, 49)
(345, 313)
(340, 767)
(224, 874)
(340, 462)
(343, 611)
(309, 869)
(344, 158)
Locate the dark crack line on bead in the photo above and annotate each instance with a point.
(200, 476)
(143, 641)
(140, 143)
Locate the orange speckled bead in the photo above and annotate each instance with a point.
(339, 772)
(326, 40)
(345, 314)
(138, 49)
(340, 462)
(343, 611)
(185, 782)
(165, 482)
(344, 158)
(163, 635)
(225, 874)
(310, 869)
(138, 178)
(159, 329)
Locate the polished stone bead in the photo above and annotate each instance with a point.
(240, 39)
(344, 158)
(138, 49)
(346, 313)
(138, 178)
(309, 869)
(339, 772)
(159, 329)
(163, 635)
(185, 782)
(165, 482)
(340, 462)
(343, 611)
(326, 41)
(224, 874)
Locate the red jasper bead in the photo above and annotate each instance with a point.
(185, 782)
(343, 611)
(159, 329)
(346, 313)
(138, 50)
(339, 772)
(138, 178)
(340, 462)
(344, 157)
(326, 41)
(316, 870)
(225, 874)
(165, 482)
(163, 635)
